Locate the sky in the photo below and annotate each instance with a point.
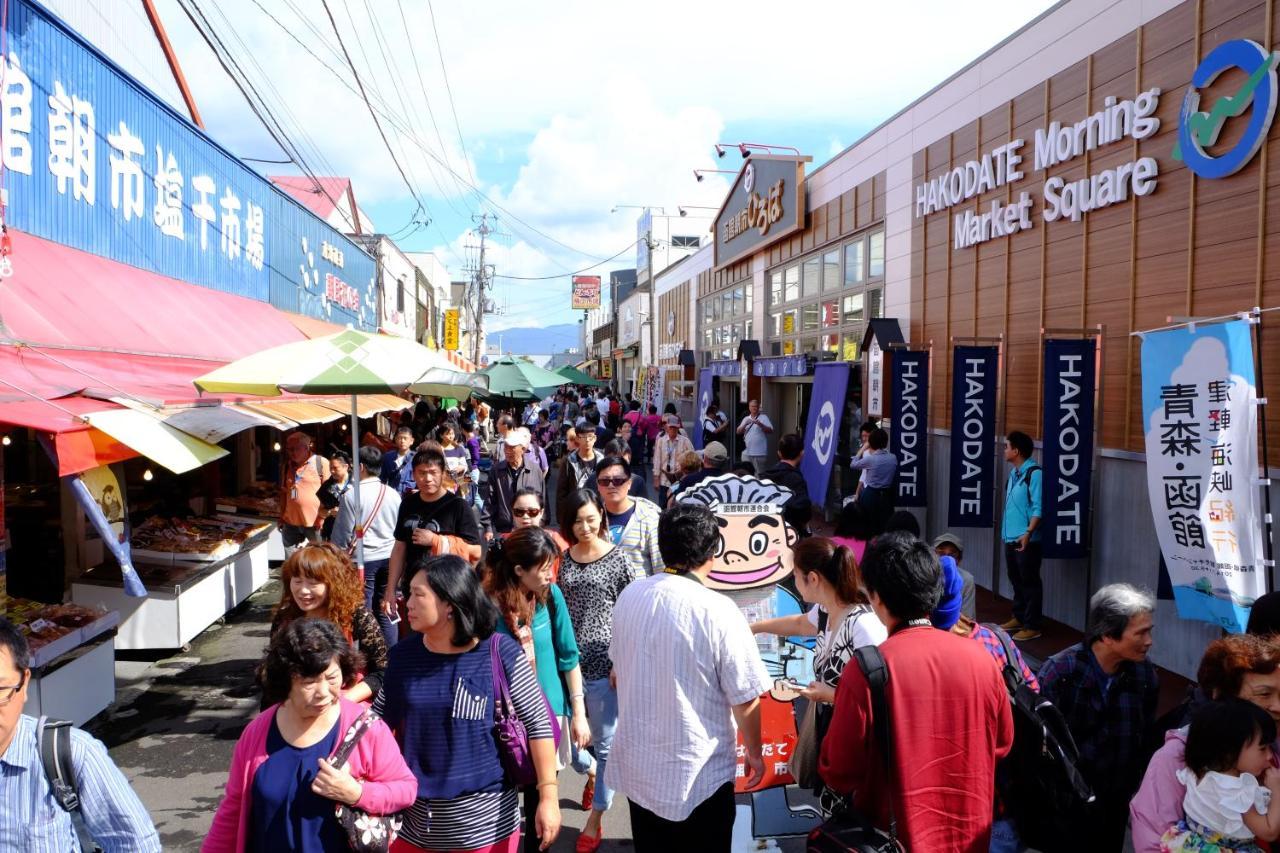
(549, 115)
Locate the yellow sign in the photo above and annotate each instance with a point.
(451, 329)
(606, 368)
(850, 349)
(788, 323)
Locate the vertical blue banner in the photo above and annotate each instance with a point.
(830, 382)
(704, 400)
(1069, 381)
(973, 435)
(909, 436)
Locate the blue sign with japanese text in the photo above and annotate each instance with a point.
(704, 400)
(94, 161)
(830, 384)
(1068, 447)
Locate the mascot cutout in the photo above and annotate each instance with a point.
(754, 554)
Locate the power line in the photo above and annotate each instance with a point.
(466, 159)
(372, 112)
(575, 272)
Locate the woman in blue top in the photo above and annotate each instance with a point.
(532, 610)
(438, 696)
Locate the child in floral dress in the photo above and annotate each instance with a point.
(1225, 807)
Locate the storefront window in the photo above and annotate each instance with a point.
(853, 308)
(788, 347)
(792, 284)
(853, 263)
(739, 302)
(746, 330)
(775, 288)
(715, 309)
(809, 317)
(812, 277)
(747, 289)
(875, 303)
(875, 266)
(851, 344)
(775, 324)
(831, 270)
(789, 324)
(831, 343)
(830, 314)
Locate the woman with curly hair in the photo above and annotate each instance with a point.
(320, 582)
(532, 611)
(282, 786)
(1241, 666)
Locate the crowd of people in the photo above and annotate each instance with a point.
(481, 648)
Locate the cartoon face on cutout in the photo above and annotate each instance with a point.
(755, 541)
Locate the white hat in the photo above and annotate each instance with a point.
(518, 437)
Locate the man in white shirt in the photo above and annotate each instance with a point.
(755, 429)
(687, 669)
(376, 525)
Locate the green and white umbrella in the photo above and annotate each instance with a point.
(346, 362)
(510, 376)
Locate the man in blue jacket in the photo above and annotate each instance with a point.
(1021, 535)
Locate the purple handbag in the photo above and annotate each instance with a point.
(509, 730)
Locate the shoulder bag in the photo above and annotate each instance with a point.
(849, 830)
(366, 833)
(360, 529)
(508, 728)
(53, 739)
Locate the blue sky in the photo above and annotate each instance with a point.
(565, 110)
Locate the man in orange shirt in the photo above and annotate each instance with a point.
(303, 475)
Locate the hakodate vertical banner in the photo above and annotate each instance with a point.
(1200, 413)
(704, 400)
(909, 437)
(830, 382)
(973, 436)
(1069, 381)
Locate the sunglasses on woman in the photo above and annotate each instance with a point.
(526, 512)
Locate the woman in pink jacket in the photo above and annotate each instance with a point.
(1241, 665)
(282, 789)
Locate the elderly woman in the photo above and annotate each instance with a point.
(439, 697)
(281, 789)
(1242, 666)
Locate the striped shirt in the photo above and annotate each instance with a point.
(684, 656)
(639, 542)
(441, 708)
(31, 821)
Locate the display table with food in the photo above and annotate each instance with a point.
(194, 569)
(72, 657)
(259, 500)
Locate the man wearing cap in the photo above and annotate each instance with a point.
(949, 545)
(507, 477)
(799, 508)
(668, 450)
(714, 458)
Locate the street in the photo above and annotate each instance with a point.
(176, 720)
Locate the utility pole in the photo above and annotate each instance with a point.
(481, 280)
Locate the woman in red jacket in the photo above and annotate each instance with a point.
(282, 787)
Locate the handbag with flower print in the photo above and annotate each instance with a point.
(366, 833)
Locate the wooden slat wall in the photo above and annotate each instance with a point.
(1192, 247)
(676, 299)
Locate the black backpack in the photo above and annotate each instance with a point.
(54, 740)
(1042, 789)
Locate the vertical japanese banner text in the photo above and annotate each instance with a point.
(909, 437)
(1069, 381)
(830, 382)
(1200, 418)
(704, 400)
(875, 379)
(973, 436)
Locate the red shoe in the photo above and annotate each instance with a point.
(587, 844)
(589, 793)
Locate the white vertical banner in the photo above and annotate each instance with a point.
(875, 379)
(1199, 406)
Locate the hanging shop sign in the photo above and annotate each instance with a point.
(765, 205)
(973, 436)
(875, 379)
(586, 292)
(1054, 145)
(451, 324)
(909, 415)
(1198, 130)
(94, 161)
(781, 365)
(704, 400)
(1199, 407)
(1068, 447)
(830, 384)
(727, 367)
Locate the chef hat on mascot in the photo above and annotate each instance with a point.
(755, 540)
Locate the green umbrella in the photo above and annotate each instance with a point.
(577, 377)
(514, 377)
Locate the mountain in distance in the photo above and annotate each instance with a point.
(536, 341)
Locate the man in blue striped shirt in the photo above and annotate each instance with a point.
(31, 821)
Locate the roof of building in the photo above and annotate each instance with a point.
(320, 195)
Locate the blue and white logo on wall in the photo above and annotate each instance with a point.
(1199, 129)
(824, 433)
